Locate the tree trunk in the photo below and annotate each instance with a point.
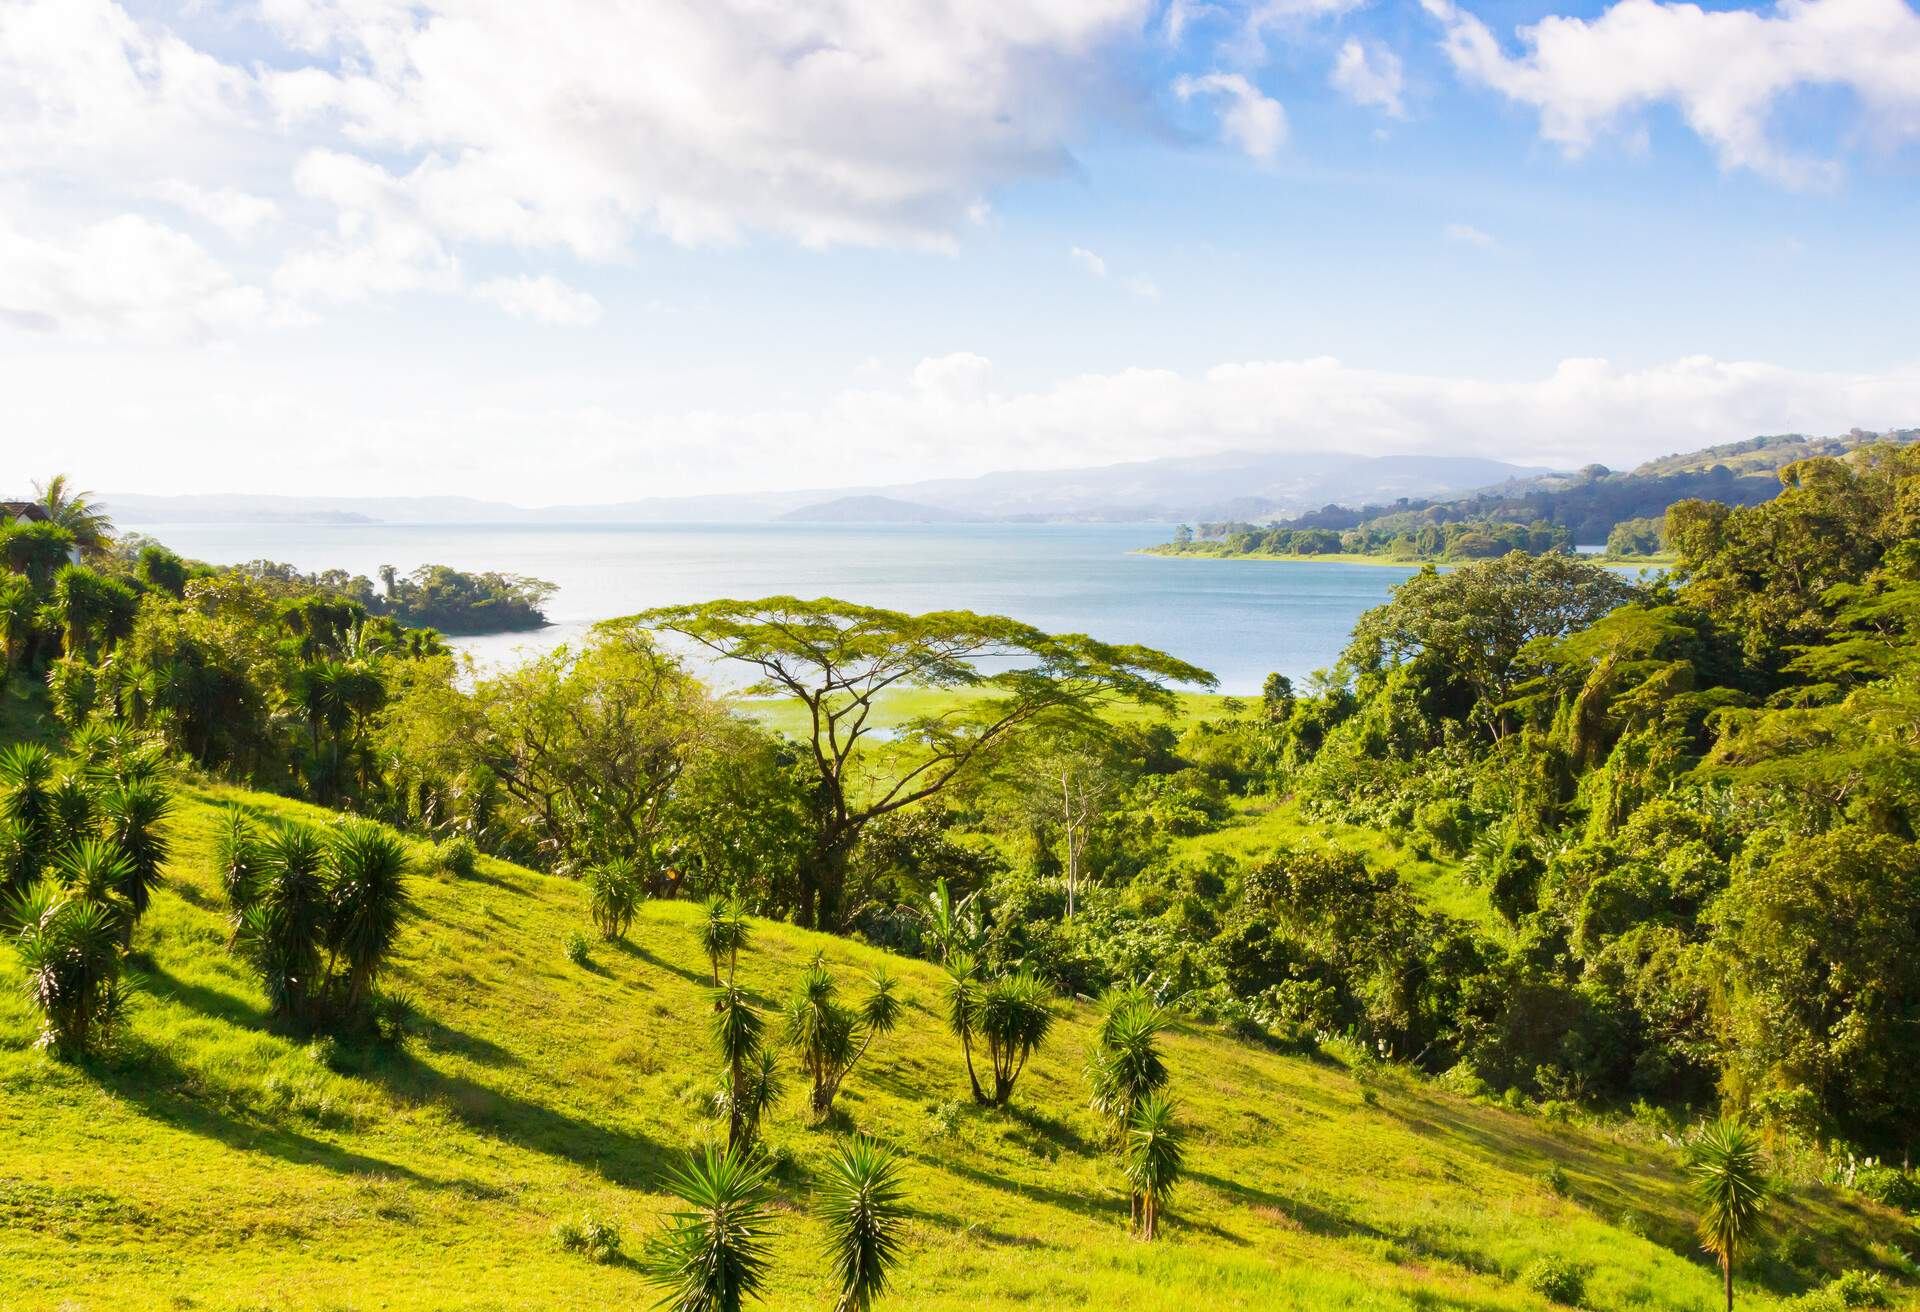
(1726, 1272)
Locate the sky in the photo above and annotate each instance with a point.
(580, 251)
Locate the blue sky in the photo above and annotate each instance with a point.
(587, 252)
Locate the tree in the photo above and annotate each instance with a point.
(724, 931)
(1124, 1066)
(1015, 1016)
(830, 1038)
(954, 926)
(963, 989)
(281, 929)
(1152, 1157)
(713, 1254)
(35, 548)
(591, 744)
(1729, 1187)
(136, 816)
(1463, 632)
(737, 1033)
(838, 659)
(77, 512)
(69, 947)
(17, 604)
(861, 1204)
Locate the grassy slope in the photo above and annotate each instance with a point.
(218, 1164)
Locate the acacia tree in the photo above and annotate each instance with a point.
(839, 659)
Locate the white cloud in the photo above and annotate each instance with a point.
(1465, 234)
(127, 276)
(239, 214)
(543, 299)
(1087, 260)
(380, 245)
(1725, 71)
(578, 123)
(1250, 120)
(1369, 74)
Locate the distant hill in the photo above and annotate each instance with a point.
(1235, 484)
(875, 510)
(1771, 454)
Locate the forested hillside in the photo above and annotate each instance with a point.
(1624, 511)
(1462, 976)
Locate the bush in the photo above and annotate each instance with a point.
(1886, 1184)
(614, 891)
(1849, 1289)
(577, 949)
(1555, 1279)
(593, 1237)
(1556, 1181)
(457, 856)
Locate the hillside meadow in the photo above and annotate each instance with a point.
(215, 1163)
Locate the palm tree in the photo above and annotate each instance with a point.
(1015, 1017)
(861, 1204)
(737, 1031)
(368, 895)
(136, 816)
(713, 1255)
(98, 872)
(1151, 1158)
(1729, 1184)
(72, 814)
(723, 933)
(963, 1011)
(761, 1085)
(77, 512)
(1123, 1062)
(829, 1037)
(70, 949)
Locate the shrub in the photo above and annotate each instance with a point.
(1849, 1289)
(1886, 1184)
(1556, 1181)
(1555, 1279)
(457, 856)
(576, 949)
(614, 891)
(593, 1237)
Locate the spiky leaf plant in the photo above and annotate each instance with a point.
(862, 1206)
(713, 1254)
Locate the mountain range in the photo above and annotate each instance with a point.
(1235, 484)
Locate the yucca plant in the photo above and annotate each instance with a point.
(70, 949)
(26, 783)
(829, 1037)
(712, 1256)
(72, 812)
(98, 872)
(1123, 1063)
(963, 993)
(237, 865)
(1729, 1186)
(282, 930)
(737, 1034)
(135, 817)
(613, 897)
(1015, 1016)
(723, 934)
(367, 896)
(761, 1085)
(1151, 1156)
(862, 1206)
(19, 857)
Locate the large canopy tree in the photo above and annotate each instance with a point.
(840, 659)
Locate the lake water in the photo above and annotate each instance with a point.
(1239, 619)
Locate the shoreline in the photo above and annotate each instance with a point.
(1345, 558)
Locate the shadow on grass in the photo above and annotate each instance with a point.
(162, 983)
(165, 1092)
(628, 948)
(630, 1160)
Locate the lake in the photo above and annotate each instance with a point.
(1240, 619)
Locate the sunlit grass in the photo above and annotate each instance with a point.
(218, 1164)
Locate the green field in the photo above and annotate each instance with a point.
(216, 1163)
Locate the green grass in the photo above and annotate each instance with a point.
(217, 1163)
